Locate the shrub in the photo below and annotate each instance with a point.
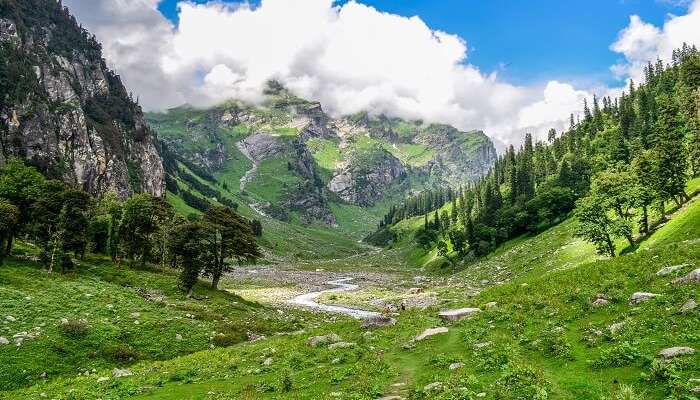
(617, 356)
(123, 354)
(75, 328)
(228, 335)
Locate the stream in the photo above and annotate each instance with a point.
(308, 300)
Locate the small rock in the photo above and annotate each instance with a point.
(110, 306)
(378, 321)
(336, 361)
(456, 365)
(672, 352)
(600, 302)
(669, 270)
(415, 290)
(456, 315)
(616, 327)
(10, 318)
(480, 395)
(3, 341)
(120, 373)
(341, 345)
(268, 361)
(432, 386)
(137, 322)
(482, 345)
(693, 277)
(640, 297)
(492, 304)
(317, 340)
(431, 332)
(689, 306)
(135, 315)
(178, 337)
(102, 379)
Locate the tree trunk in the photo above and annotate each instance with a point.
(8, 248)
(216, 277)
(611, 248)
(645, 220)
(189, 292)
(2, 249)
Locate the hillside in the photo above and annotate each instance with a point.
(287, 160)
(541, 338)
(63, 111)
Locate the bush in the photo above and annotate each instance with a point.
(123, 354)
(75, 329)
(618, 356)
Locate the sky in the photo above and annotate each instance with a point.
(506, 67)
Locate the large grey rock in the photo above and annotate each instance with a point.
(341, 345)
(640, 297)
(692, 277)
(688, 306)
(431, 332)
(672, 352)
(669, 270)
(121, 373)
(324, 339)
(458, 314)
(378, 321)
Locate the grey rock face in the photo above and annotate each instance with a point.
(76, 121)
(363, 186)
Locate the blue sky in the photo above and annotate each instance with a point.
(529, 42)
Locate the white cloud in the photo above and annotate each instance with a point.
(641, 42)
(350, 58)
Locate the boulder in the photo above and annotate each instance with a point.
(102, 379)
(431, 332)
(378, 321)
(672, 352)
(600, 302)
(616, 327)
(688, 306)
(669, 270)
(178, 337)
(456, 365)
(267, 361)
(320, 340)
(341, 345)
(692, 277)
(4, 341)
(10, 318)
(432, 386)
(121, 373)
(640, 297)
(456, 315)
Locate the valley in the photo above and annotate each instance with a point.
(282, 247)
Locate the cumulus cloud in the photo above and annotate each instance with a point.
(350, 57)
(641, 42)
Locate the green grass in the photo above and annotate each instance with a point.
(110, 300)
(415, 155)
(545, 341)
(325, 152)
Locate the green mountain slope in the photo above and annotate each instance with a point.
(286, 160)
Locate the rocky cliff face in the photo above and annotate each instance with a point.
(64, 111)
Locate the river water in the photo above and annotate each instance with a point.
(308, 300)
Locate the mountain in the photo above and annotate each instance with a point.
(288, 159)
(64, 111)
